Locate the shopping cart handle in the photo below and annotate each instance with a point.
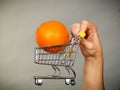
(82, 34)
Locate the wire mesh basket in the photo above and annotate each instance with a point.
(62, 58)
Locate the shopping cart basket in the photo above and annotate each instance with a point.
(63, 58)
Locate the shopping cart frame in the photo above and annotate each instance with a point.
(64, 58)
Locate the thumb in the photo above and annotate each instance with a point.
(87, 44)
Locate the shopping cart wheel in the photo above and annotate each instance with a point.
(72, 82)
(67, 81)
(38, 81)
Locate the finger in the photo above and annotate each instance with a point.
(83, 26)
(75, 29)
(86, 25)
(88, 28)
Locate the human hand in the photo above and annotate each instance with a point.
(92, 50)
(90, 45)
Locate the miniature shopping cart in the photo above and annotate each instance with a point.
(65, 58)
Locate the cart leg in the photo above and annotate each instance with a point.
(57, 71)
(73, 72)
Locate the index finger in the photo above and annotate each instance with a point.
(84, 25)
(87, 27)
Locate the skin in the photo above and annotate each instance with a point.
(91, 49)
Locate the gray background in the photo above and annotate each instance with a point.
(18, 23)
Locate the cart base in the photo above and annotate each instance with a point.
(68, 79)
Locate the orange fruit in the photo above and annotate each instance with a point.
(52, 33)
